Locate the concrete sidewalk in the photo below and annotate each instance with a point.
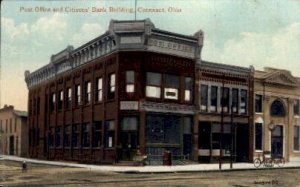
(150, 169)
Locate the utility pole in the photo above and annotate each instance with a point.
(135, 10)
(222, 123)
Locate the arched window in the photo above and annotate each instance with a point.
(277, 108)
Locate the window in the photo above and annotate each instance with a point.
(69, 98)
(97, 126)
(258, 136)
(15, 125)
(60, 100)
(130, 81)
(225, 99)
(51, 137)
(10, 125)
(75, 135)
(214, 98)
(86, 135)
(297, 107)
(99, 89)
(243, 105)
(110, 133)
(53, 100)
(111, 86)
(67, 136)
(277, 109)
(235, 100)
(78, 95)
(129, 124)
(153, 88)
(188, 89)
(204, 97)
(297, 138)
(57, 136)
(171, 86)
(258, 103)
(88, 92)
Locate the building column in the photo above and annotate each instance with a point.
(195, 138)
(142, 130)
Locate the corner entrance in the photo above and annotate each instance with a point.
(277, 142)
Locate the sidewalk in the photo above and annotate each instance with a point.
(150, 169)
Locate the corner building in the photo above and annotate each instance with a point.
(131, 88)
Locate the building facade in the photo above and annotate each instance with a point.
(277, 114)
(225, 111)
(13, 132)
(132, 88)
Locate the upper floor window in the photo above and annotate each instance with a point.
(235, 100)
(297, 107)
(110, 133)
(214, 98)
(225, 99)
(87, 92)
(297, 138)
(171, 86)
(53, 101)
(111, 86)
(277, 108)
(99, 90)
(78, 95)
(60, 99)
(69, 98)
(130, 81)
(153, 88)
(188, 89)
(243, 105)
(258, 103)
(204, 97)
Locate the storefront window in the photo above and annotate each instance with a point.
(110, 133)
(258, 136)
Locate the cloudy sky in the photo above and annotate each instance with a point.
(246, 32)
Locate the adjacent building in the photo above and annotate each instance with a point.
(231, 87)
(13, 132)
(277, 114)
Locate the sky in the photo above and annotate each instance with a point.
(262, 33)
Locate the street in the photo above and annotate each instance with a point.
(11, 174)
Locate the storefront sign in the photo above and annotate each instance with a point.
(129, 105)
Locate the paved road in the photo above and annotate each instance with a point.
(40, 175)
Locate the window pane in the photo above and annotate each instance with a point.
(171, 81)
(130, 88)
(129, 124)
(204, 97)
(297, 138)
(243, 104)
(152, 91)
(154, 79)
(235, 100)
(214, 98)
(258, 103)
(188, 83)
(129, 76)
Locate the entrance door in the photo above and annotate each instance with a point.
(11, 145)
(277, 142)
(242, 143)
(129, 138)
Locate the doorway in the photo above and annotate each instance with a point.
(11, 145)
(277, 142)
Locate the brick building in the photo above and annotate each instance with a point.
(231, 87)
(131, 88)
(13, 132)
